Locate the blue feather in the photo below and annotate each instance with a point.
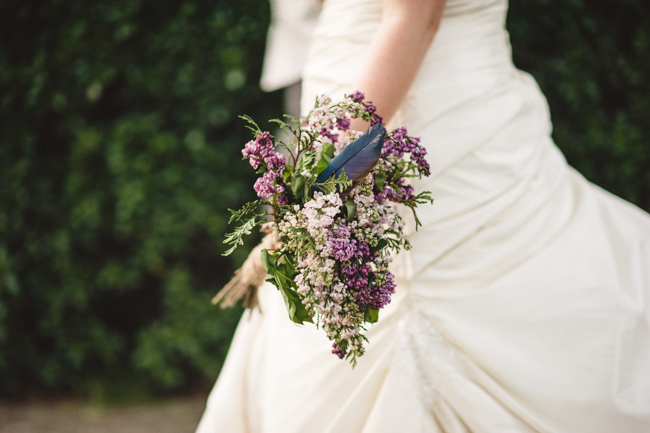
(358, 158)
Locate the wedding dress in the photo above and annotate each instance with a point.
(524, 303)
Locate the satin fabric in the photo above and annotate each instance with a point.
(523, 305)
(287, 42)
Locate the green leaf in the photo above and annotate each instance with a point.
(380, 181)
(235, 238)
(371, 315)
(328, 151)
(255, 130)
(298, 184)
(291, 118)
(322, 164)
(351, 208)
(291, 269)
(296, 310)
(281, 123)
(244, 212)
(380, 245)
(327, 155)
(333, 184)
(267, 261)
(282, 278)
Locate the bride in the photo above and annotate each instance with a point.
(523, 305)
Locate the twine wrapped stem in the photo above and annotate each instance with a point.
(247, 279)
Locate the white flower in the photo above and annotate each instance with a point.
(324, 100)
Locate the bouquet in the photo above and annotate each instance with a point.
(329, 197)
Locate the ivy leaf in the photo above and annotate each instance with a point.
(322, 165)
(282, 278)
(291, 269)
(380, 181)
(371, 315)
(297, 311)
(380, 246)
(326, 157)
(298, 185)
(351, 208)
(267, 261)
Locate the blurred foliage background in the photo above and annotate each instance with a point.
(120, 154)
(591, 60)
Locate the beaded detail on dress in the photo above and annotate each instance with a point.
(425, 355)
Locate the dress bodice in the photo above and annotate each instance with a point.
(471, 50)
(469, 58)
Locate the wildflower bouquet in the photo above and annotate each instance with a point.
(329, 200)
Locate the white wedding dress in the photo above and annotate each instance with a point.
(524, 304)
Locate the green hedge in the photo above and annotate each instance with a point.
(119, 154)
(591, 60)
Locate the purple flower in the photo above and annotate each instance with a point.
(363, 299)
(403, 192)
(363, 251)
(261, 150)
(249, 151)
(338, 352)
(343, 124)
(400, 143)
(325, 133)
(349, 270)
(390, 149)
(357, 283)
(380, 296)
(283, 199)
(342, 232)
(275, 161)
(358, 96)
(343, 249)
(264, 185)
(379, 300)
(423, 164)
(365, 269)
(262, 153)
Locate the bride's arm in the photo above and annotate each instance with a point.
(407, 29)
